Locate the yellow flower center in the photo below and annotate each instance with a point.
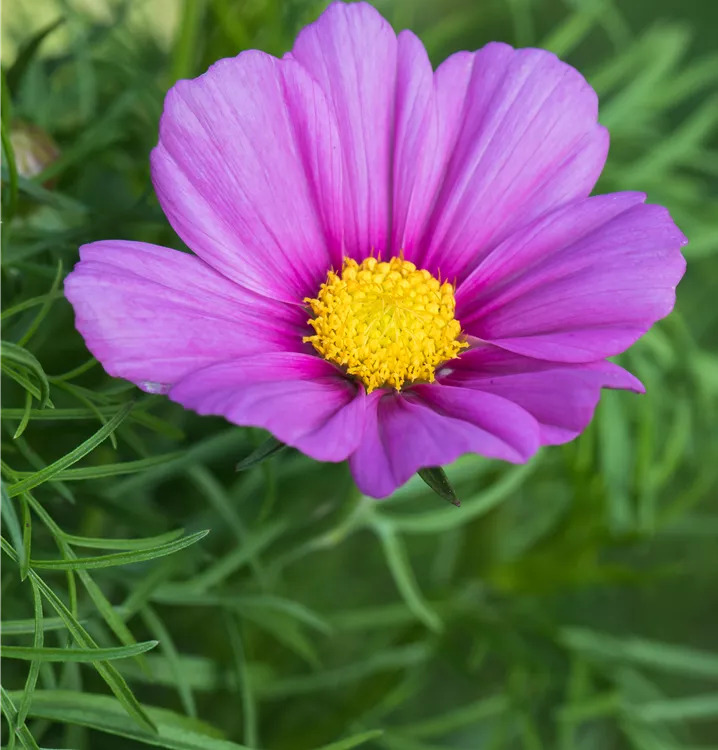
(385, 323)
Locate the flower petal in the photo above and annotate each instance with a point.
(352, 52)
(151, 315)
(528, 142)
(247, 173)
(432, 425)
(581, 284)
(428, 117)
(302, 400)
(561, 397)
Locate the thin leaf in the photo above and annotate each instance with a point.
(178, 594)
(38, 640)
(41, 195)
(106, 610)
(27, 54)
(184, 56)
(266, 450)
(12, 523)
(400, 567)
(486, 708)
(100, 712)
(10, 712)
(51, 471)
(391, 660)
(105, 471)
(665, 657)
(159, 631)
(26, 627)
(122, 544)
(45, 309)
(254, 543)
(120, 558)
(13, 181)
(691, 708)
(21, 357)
(109, 674)
(25, 421)
(354, 741)
(28, 304)
(244, 683)
(37, 653)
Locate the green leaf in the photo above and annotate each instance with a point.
(16, 355)
(120, 558)
(653, 654)
(100, 712)
(38, 640)
(436, 478)
(11, 716)
(105, 471)
(252, 545)
(178, 594)
(41, 195)
(354, 741)
(26, 627)
(391, 660)
(691, 708)
(45, 309)
(75, 654)
(266, 450)
(398, 561)
(244, 682)
(51, 471)
(13, 181)
(12, 523)
(28, 304)
(26, 55)
(25, 420)
(184, 56)
(109, 674)
(157, 628)
(486, 708)
(122, 544)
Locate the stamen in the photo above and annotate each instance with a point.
(386, 323)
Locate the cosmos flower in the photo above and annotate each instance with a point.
(391, 265)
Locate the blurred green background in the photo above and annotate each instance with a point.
(571, 604)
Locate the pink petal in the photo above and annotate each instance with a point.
(302, 400)
(428, 117)
(581, 284)
(561, 397)
(247, 171)
(527, 143)
(151, 315)
(432, 425)
(352, 52)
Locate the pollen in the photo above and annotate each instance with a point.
(385, 323)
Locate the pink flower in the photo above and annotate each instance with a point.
(501, 287)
